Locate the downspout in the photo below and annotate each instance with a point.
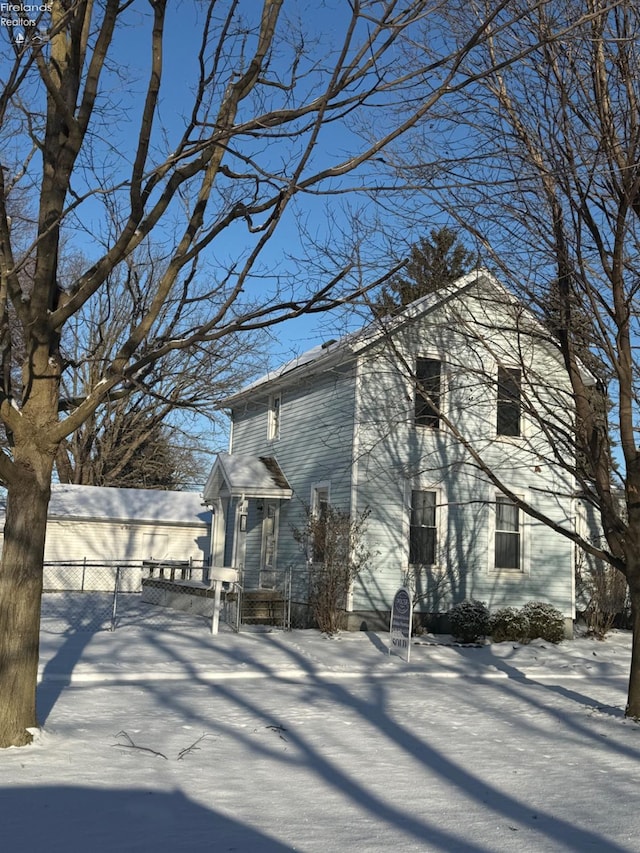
(355, 451)
(231, 419)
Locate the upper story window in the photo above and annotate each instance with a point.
(423, 530)
(428, 391)
(273, 418)
(508, 550)
(509, 401)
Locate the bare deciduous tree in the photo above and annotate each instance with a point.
(265, 125)
(546, 178)
(145, 435)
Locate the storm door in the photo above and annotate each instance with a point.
(269, 545)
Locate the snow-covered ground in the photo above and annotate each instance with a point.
(174, 740)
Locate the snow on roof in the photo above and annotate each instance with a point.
(308, 357)
(355, 341)
(100, 502)
(243, 474)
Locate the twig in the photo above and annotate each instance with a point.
(278, 729)
(194, 746)
(132, 745)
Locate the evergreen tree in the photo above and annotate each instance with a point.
(435, 261)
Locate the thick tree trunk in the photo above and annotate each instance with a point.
(633, 698)
(20, 601)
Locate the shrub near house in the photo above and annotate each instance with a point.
(470, 621)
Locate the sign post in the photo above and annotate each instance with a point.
(400, 627)
(217, 576)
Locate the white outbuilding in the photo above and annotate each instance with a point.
(102, 524)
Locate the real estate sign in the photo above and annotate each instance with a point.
(400, 628)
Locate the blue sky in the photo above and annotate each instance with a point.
(327, 218)
(117, 134)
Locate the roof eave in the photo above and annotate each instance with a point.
(350, 346)
(256, 493)
(331, 359)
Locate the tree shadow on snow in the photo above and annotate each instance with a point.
(374, 709)
(372, 704)
(513, 672)
(514, 810)
(74, 819)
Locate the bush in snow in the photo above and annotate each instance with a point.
(544, 621)
(604, 591)
(509, 625)
(469, 620)
(334, 543)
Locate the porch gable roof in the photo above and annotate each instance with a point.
(244, 475)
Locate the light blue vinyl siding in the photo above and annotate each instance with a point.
(394, 456)
(353, 427)
(315, 446)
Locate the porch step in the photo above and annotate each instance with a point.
(263, 607)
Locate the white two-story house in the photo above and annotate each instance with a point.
(406, 418)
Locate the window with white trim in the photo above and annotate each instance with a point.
(273, 418)
(428, 391)
(508, 413)
(423, 534)
(508, 535)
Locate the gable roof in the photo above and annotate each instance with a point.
(333, 353)
(101, 503)
(343, 350)
(241, 474)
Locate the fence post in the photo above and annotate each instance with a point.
(114, 609)
(237, 616)
(216, 606)
(289, 596)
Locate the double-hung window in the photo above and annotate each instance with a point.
(423, 529)
(273, 420)
(428, 392)
(509, 401)
(508, 543)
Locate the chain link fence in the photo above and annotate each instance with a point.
(284, 603)
(91, 596)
